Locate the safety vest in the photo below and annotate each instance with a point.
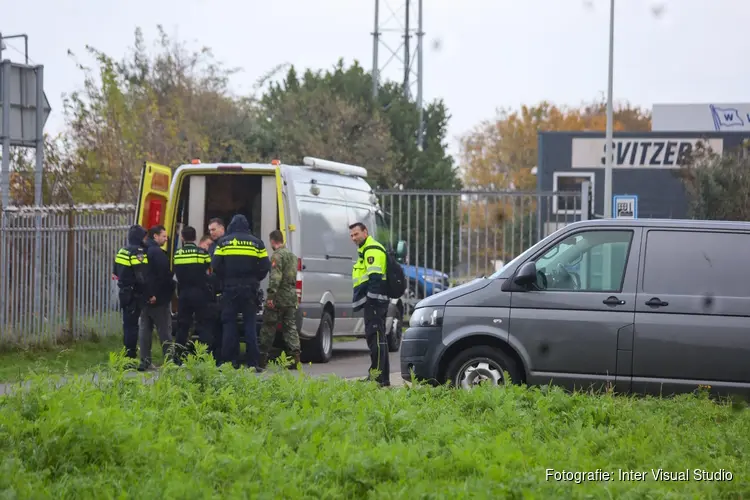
(368, 273)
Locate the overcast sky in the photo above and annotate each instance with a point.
(490, 53)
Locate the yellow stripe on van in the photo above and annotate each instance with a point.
(280, 202)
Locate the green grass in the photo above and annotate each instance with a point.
(74, 357)
(70, 359)
(202, 432)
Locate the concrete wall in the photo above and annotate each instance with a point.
(646, 165)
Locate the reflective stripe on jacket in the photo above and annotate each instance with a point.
(368, 274)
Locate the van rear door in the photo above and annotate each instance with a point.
(280, 198)
(153, 194)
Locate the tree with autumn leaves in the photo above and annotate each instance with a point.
(498, 156)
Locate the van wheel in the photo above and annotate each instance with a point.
(395, 328)
(481, 364)
(320, 349)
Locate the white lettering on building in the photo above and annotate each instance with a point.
(657, 152)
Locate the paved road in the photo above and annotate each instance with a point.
(350, 360)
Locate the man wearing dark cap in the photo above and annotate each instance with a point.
(130, 272)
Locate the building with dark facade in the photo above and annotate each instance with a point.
(645, 165)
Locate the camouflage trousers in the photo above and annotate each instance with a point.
(272, 317)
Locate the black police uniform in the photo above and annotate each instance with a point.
(130, 269)
(191, 267)
(369, 279)
(240, 262)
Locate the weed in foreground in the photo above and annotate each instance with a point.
(205, 432)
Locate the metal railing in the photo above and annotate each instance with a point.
(455, 236)
(55, 272)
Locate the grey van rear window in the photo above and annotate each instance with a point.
(697, 263)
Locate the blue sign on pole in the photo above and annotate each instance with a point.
(625, 206)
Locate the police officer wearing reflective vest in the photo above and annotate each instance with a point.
(281, 302)
(191, 267)
(370, 294)
(240, 263)
(130, 271)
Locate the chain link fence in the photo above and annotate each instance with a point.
(55, 272)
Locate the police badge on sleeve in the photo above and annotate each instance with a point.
(371, 260)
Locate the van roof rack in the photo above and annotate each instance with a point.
(333, 166)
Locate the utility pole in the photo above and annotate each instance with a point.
(407, 53)
(609, 148)
(390, 21)
(375, 45)
(420, 52)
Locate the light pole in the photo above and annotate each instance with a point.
(609, 149)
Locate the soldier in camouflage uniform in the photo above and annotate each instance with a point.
(281, 301)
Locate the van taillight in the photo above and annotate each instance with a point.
(298, 285)
(154, 213)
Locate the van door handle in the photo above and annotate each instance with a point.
(341, 257)
(613, 301)
(656, 302)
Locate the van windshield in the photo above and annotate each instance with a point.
(383, 228)
(522, 256)
(382, 219)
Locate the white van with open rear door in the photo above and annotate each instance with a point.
(311, 204)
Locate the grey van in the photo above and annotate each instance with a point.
(645, 306)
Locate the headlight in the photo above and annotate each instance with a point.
(427, 316)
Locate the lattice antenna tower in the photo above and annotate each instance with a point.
(398, 24)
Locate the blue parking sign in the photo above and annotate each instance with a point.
(625, 206)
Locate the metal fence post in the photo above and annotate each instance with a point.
(585, 203)
(70, 274)
(4, 266)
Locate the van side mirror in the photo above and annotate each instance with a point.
(400, 251)
(526, 274)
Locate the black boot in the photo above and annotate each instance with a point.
(263, 362)
(146, 365)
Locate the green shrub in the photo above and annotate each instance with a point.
(202, 432)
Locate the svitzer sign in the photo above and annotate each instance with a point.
(652, 152)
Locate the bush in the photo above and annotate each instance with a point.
(718, 186)
(203, 432)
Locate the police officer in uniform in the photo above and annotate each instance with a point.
(240, 263)
(370, 294)
(281, 301)
(132, 281)
(191, 267)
